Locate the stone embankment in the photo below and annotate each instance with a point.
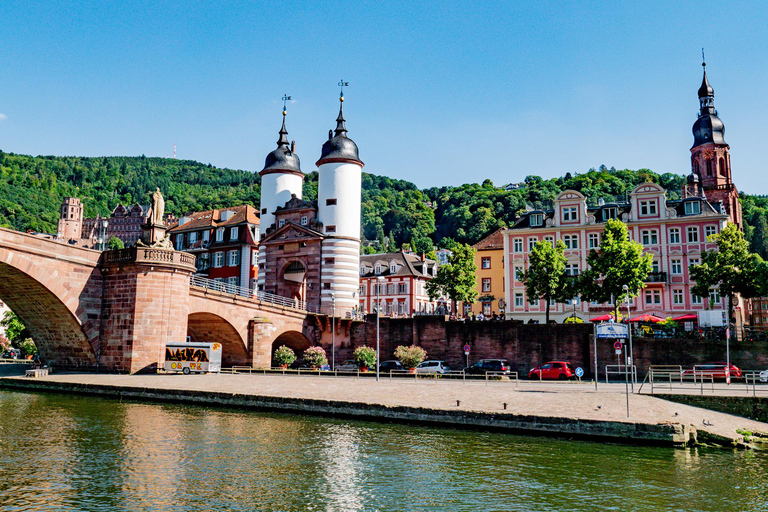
(557, 409)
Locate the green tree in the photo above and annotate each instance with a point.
(457, 278)
(15, 331)
(545, 278)
(115, 243)
(759, 242)
(619, 262)
(732, 269)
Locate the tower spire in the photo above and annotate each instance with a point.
(341, 128)
(283, 140)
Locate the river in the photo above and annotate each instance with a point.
(68, 453)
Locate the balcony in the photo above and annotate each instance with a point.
(656, 277)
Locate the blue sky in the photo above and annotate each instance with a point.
(440, 93)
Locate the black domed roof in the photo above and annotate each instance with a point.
(705, 89)
(283, 158)
(708, 129)
(693, 178)
(338, 145)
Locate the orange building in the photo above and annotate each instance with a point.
(489, 261)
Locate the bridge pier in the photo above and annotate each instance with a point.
(145, 305)
(260, 336)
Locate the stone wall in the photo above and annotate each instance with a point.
(755, 408)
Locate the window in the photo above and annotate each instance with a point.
(329, 261)
(655, 266)
(518, 273)
(391, 289)
(233, 281)
(722, 167)
(610, 213)
(179, 242)
(531, 243)
(304, 220)
(233, 233)
(537, 219)
(485, 262)
(693, 262)
(677, 266)
(377, 269)
(709, 167)
(219, 234)
(486, 284)
(649, 237)
(233, 259)
(695, 299)
(550, 239)
(709, 231)
(388, 309)
(193, 237)
(401, 307)
(263, 211)
(677, 297)
(393, 268)
(571, 241)
(572, 269)
(693, 234)
(714, 296)
(518, 245)
(362, 290)
(648, 207)
(674, 235)
(594, 240)
(518, 300)
(569, 214)
(218, 259)
(653, 297)
(330, 229)
(402, 288)
(692, 207)
(330, 202)
(281, 223)
(202, 262)
(326, 286)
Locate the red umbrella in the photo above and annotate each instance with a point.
(686, 318)
(647, 318)
(602, 318)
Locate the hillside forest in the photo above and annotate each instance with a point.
(394, 212)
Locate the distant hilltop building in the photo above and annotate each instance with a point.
(122, 223)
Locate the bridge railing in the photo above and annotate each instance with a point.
(220, 286)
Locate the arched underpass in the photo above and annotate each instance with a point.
(58, 334)
(210, 328)
(293, 340)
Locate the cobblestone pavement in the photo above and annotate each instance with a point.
(568, 399)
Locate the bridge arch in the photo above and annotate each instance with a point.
(294, 340)
(211, 328)
(64, 328)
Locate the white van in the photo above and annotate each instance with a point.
(193, 357)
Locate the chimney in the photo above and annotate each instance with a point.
(293, 146)
(423, 257)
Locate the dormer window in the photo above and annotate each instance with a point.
(304, 220)
(393, 268)
(281, 223)
(537, 219)
(610, 213)
(570, 214)
(692, 207)
(206, 236)
(648, 208)
(219, 234)
(377, 269)
(233, 233)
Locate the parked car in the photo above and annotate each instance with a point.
(484, 366)
(348, 366)
(433, 367)
(764, 376)
(714, 370)
(300, 364)
(558, 370)
(391, 365)
(14, 353)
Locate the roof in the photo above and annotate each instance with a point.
(493, 241)
(283, 158)
(339, 147)
(212, 218)
(408, 264)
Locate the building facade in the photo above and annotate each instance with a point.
(401, 278)
(224, 241)
(489, 260)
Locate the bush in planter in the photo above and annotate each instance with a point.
(410, 356)
(314, 357)
(365, 357)
(284, 356)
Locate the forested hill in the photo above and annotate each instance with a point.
(395, 211)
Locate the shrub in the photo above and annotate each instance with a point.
(365, 357)
(315, 357)
(28, 347)
(5, 345)
(284, 356)
(410, 356)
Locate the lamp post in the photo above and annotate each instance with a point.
(104, 225)
(333, 332)
(629, 333)
(378, 307)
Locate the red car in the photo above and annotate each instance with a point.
(558, 370)
(712, 370)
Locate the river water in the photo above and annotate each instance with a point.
(67, 453)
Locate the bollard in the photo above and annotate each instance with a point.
(458, 403)
(505, 406)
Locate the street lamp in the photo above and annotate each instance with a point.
(629, 331)
(104, 225)
(378, 307)
(333, 332)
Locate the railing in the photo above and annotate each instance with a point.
(622, 371)
(656, 277)
(231, 289)
(148, 255)
(667, 379)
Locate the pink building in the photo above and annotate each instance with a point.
(674, 232)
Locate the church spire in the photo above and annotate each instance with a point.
(341, 128)
(283, 140)
(706, 92)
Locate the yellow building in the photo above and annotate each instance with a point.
(489, 260)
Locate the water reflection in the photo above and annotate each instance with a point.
(73, 453)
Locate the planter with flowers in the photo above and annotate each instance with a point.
(284, 357)
(365, 357)
(411, 356)
(314, 357)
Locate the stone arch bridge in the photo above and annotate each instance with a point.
(116, 310)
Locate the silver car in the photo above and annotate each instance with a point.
(764, 376)
(433, 367)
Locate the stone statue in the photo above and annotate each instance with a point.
(158, 209)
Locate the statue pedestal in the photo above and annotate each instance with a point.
(152, 233)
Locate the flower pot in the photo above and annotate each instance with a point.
(284, 366)
(411, 370)
(364, 369)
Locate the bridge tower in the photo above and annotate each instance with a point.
(71, 219)
(338, 212)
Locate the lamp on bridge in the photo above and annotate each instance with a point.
(333, 332)
(379, 280)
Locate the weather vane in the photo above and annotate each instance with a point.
(703, 61)
(286, 99)
(342, 84)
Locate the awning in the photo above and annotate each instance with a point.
(686, 318)
(647, 319)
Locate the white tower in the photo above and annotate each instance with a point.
(280, 178)
(338, 211)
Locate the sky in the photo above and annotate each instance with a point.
(440, 93)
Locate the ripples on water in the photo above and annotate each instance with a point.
(72, 453)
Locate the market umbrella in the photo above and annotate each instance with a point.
(647, 319)
(686, 318)
(602, 318)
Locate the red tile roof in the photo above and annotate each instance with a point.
(493, 241)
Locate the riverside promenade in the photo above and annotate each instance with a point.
(564, 409)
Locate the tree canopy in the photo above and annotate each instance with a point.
(545, 278)
(456, 279)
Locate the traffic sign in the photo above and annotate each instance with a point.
(579, 372)
(466, 348)
(611, 330)
(617, 345)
